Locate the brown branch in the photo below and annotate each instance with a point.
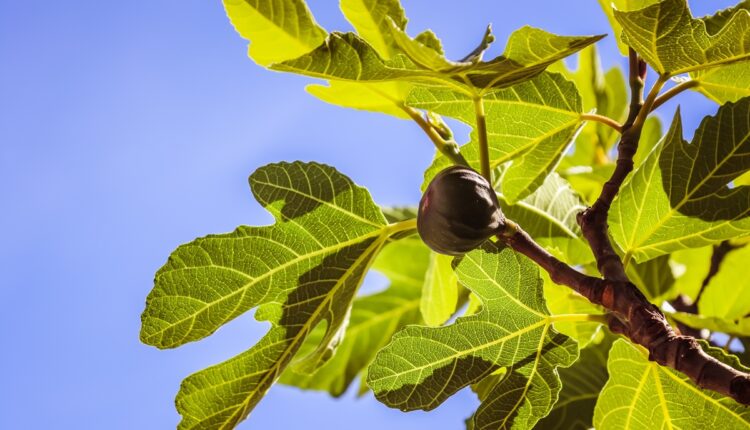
(593, 220)
(632, 315)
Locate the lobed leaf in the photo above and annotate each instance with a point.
(302, 271)
(641, 394)
(531, 124)
(667, 36)
(374, 319)
(423, 366)
(348, 57)
(679, 197)
(582, 384)
(609, 7)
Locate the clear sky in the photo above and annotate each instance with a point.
(128, 128)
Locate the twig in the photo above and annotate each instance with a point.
(677, 89)
(635, 317)
(602, 119)
(447, 147)
(593, 221)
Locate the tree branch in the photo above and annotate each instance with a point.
(636, 318)
(593, 221)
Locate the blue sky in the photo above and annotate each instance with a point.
(128, 128)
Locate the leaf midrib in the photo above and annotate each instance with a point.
(253, 281)
(292, 345)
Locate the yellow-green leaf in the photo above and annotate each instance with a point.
(680, 196)
(277, 29)
(667, 36)
(641, 394)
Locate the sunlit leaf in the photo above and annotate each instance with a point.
(727, 295)
(653, 278)
(531, 123)
(641, 394)
(373, 20)
(679, 198)
(346, 56)
(422, 366)
(374, 319)
(667, 36)
(277, 29)
(301, 271)
(690, 267)
(609, 7)
(582, 383)
(737, 327)
(440, 291)
(561, 300)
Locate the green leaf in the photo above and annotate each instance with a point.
(440, 291)
(604, 93)
(727, 295)
(549, 216)
(582, 383)
(641, 394)
(650, 136)
(277, 29)
(373, 20)
(690, 267)
(667, 36)
(562, 300)
(373, 320)
(531, 123)
(731, 82)
(302, 271)
(624, 5)
(383, 97)
(348, 57)
(423, 366)
(738, 327)
(653, 278)
(679, 197)
(548, 212)
(724, 84)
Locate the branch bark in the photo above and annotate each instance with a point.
(632, 315)
(593, 220)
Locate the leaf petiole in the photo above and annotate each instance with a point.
(484, 152)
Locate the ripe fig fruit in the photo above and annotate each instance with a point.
(458, 211)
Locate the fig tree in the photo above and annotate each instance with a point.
(458, 211)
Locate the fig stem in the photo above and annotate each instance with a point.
(449, 148)
(484, 152)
